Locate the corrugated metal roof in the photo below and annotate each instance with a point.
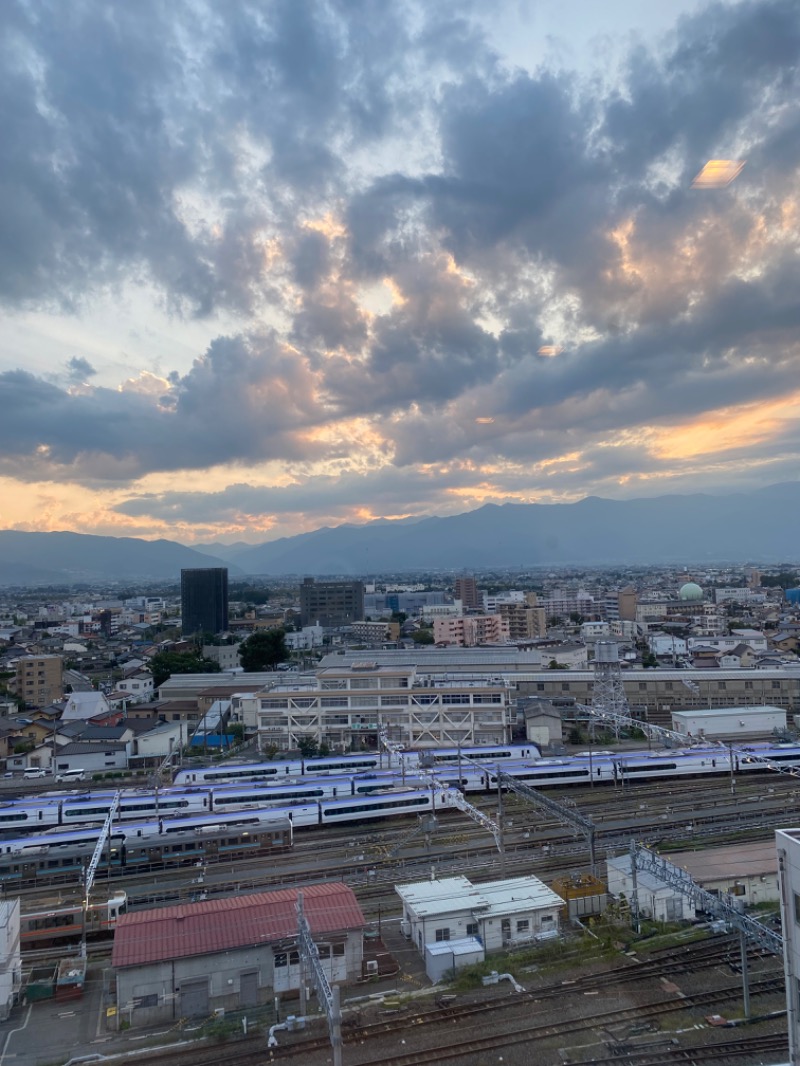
(454, 894)
(232, 922)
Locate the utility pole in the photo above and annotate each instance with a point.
(328, 997)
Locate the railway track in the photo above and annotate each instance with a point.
(252, 1053)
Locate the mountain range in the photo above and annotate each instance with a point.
(756, 526)
(73, 558)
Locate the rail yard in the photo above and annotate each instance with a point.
(595, 997)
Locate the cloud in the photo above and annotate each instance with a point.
(283, 166)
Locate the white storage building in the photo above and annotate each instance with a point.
(500, 914)
(657, 900)
(730, 723)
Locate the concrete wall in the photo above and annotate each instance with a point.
(150, 995)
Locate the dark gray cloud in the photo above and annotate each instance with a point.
(79, 369)
(278, 161)
(245, 400)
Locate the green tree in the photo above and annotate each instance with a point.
(166, 663)
(307, 747)
(422, 636)
(263, 650)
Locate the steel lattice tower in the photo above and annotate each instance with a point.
(608, 693)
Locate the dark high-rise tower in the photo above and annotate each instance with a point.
(204, 601)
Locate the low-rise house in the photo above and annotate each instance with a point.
(138, 687)
(92, 757)
(85, 705)
(230, 953)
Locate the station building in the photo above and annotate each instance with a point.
(229, 953)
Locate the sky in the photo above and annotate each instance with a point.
(272, 265)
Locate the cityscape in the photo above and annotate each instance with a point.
(399, 569)
(592, 762)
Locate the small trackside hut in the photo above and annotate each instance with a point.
(497, 914)
(230, 953)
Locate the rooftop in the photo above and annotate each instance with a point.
(735, 860)
(428, 898)
(217, 925)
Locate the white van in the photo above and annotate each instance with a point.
(71, 775)
(34, 771)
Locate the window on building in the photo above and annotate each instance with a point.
(722, 684)
(523, 925)
(338, 950)
(281, 959)
(472, 929)
(797, 907)
(442, 934)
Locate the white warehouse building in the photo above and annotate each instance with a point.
(731, 722)
(498, 914)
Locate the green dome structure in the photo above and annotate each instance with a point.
(690, 592)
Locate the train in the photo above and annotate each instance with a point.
(477, 774)
(60, 855)
(87, 808)
(347, 764)
(61, 923)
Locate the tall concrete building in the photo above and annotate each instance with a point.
(204, 601)
(40, 679)
(467, 591)
(331, 603)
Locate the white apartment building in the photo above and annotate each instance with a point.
(471, 630)
(10, 957)
(347, 707)
(139, 688)
(752, 637)
(788, 846)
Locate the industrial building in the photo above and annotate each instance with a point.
(204, 601)
(787, 843)
(331, 603)
(498, 914)
(733, 723)
(661, 692)
(10, 957)
(346, 707)
(225, 954)
(747, 871)
(657, 900)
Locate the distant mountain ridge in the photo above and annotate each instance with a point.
(72, 558)
(756, 526)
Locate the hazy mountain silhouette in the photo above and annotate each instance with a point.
(757, 525)
(67, 558)
(748, 526)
